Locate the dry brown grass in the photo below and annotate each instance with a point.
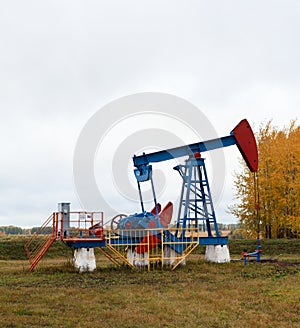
(198, 295)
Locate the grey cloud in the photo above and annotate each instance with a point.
(62, 61)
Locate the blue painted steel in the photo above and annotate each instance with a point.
(126, 240)
(164, 155)
(144, 173)
(178, 244)
(138, 221)
(86, 243)
(196, 200)
(213, 240)
(256, 254)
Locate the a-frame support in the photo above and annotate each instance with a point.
(196, 205)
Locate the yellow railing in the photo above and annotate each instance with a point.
(138, 248)
(147, 249)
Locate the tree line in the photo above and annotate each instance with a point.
(12, 230)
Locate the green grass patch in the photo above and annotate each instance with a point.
(199, 294)
(12, 248)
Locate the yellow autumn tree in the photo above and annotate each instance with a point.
(278, 181)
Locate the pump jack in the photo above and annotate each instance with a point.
(196, 203)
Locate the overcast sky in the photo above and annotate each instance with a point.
(61, 61)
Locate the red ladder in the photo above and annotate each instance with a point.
(41, 241)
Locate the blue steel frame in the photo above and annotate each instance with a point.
(88, 243)
(143, 160)
(194, 181)
(196, 200)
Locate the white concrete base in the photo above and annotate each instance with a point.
(217, 253)
(84, 259)
(170, 256)
(137, 259)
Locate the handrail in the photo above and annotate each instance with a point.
(84, 225)
(37, 234)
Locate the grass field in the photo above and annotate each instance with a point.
(199, 294)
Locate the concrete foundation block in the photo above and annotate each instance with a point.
(217, 253)
(84, 259)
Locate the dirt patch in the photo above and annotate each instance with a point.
(287, 264)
